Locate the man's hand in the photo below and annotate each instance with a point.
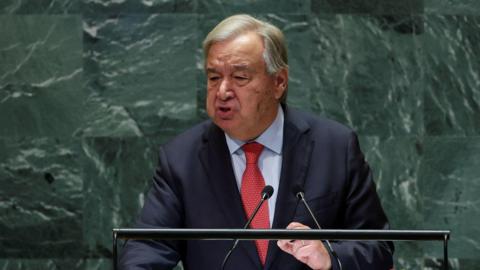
(310, 252)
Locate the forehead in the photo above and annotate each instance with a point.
(213, 68)
(239, 52)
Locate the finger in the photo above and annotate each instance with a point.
(296, 225)
(285, 245)
(304, 253)
(292, 246)
(314, 255)
(293, 225)
(297, 245)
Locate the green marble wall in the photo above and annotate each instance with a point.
(90, 88)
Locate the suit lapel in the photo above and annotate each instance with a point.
(296, 154)
(216, 160)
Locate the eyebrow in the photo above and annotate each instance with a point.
(240, 66)
(211, 70)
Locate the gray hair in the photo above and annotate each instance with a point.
(275, 53)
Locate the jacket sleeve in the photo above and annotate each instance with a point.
(362, 211)
(162, 209)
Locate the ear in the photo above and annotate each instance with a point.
(281, 82)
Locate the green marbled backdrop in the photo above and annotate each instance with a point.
(90, 88)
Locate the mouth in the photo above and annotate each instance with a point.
(224, 109)
(224, 112)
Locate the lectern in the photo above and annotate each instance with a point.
(275, 234)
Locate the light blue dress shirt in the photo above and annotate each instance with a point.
(270, 160)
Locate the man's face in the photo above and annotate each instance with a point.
(242, 98)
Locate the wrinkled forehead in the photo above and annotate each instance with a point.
(240, 52)
(218, 67)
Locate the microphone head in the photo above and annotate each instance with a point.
(267, 192)
(298, 191)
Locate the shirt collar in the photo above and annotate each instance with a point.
(271, 138)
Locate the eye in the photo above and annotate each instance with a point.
(240, 78)
(213, 78)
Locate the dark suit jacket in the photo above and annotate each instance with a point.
(194, 187)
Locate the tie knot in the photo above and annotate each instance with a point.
(252, 152)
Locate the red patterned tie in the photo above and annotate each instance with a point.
(251, 189)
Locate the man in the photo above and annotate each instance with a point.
(211, 176)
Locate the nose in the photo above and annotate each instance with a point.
(225, 91)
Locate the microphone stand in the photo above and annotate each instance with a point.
(266, 194)
(301, 196)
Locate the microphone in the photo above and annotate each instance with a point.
(265, 195)
(298, 191)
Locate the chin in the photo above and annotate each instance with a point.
(223, 124)
(226, 125)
